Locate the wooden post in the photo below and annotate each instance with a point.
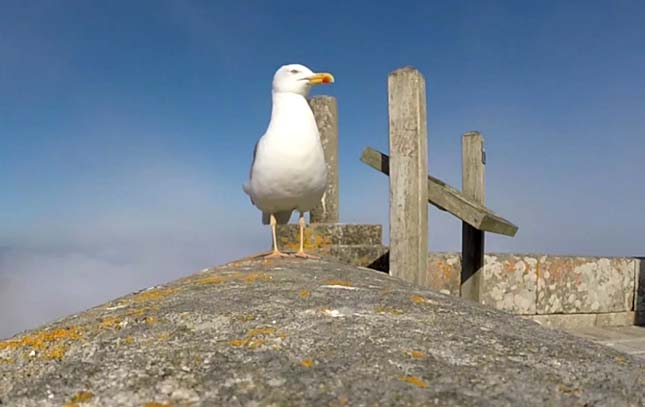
(326, 113)
(408, 175)
(472, 244)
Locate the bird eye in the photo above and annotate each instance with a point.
(294, 71)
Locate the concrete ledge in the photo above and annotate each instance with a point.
(553, 285)
(574, 321)
(585, 285)
(321, 235)
(354, 244)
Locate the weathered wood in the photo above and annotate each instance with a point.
(408, 172)
(325, 111)
(472, 239)
(449, 199)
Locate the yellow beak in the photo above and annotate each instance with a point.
(319, 78)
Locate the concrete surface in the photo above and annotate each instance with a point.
(627, 339)
(307, 333)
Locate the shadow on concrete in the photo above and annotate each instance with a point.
(382, 263)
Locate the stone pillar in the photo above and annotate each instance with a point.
(326, 113)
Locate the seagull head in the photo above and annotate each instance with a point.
(298, 79)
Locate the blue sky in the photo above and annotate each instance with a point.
(126, 128)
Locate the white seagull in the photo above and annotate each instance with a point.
(288, 171)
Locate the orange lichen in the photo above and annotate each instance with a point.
(56, 352)
(305, 293)
(239, 276)
(442, 274)
(237, 342)
(211, 279)
(111, 322)
(386, 309)
(43, 339)
(417, 381)
(418, 299)
(260, 331)
(136, 312)
(151, 320)
(307, 363)
(253, 277)
(80, 397)
(253, 337)
(343, 400)
(344, 283)
(7, 361)
(153, 295)
(417, 355)
(155, 404)
(129, 340)
(250, 343)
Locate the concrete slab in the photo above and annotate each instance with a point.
(628, 339)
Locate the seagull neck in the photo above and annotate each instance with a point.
(287, 106)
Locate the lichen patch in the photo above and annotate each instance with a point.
(414, 380)
(79, 398)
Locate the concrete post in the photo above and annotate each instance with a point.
(473, 187)
(408, 175)
(326, 113)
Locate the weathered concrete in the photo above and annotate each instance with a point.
(354, 244)
(509, 283)
(548, 285)
(325, 111)
(303, 333)
(444, 273)
(585, 285)
(577, 321)
(628, 339)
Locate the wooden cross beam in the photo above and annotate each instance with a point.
(449, 199)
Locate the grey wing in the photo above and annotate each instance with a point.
(255, 152)
(247, 185)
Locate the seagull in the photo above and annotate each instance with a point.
(288, 171)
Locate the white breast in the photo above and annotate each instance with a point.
(289, 171)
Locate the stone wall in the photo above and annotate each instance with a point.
(553, 290)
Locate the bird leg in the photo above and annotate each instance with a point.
(301, 251)
(275, 253)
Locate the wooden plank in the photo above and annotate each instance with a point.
(325, 111)
(472, 239)
(408, 139)
(447, 198)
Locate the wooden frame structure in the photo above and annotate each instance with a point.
(411, 188)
